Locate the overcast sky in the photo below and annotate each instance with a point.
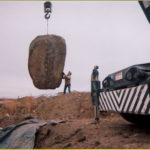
(113, 35)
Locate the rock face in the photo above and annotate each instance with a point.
(46, 61)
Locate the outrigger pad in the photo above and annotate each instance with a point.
(46, 61)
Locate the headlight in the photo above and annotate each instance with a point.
(131, 74)
(105, 83)
(134, 74)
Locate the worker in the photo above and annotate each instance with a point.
(95, 74)
(67, 82)
(95, 87)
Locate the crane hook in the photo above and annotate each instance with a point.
(47, 9)
(47, 15)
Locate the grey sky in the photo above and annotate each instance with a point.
(110, 34)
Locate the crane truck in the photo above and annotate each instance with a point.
(128, 91)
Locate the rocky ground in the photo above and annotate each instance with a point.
(76, 130)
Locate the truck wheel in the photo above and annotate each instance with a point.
(138, 119)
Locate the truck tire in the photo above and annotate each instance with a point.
(138, 119)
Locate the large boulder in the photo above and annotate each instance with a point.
(46, 61)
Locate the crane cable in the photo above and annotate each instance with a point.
(47, 26)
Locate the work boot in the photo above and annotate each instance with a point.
(95, 121)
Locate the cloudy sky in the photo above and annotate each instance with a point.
(113, 35)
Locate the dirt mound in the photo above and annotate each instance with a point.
(62, 107)
(76, 131)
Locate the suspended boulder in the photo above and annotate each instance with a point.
(46, 61)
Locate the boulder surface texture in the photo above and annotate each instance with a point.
(46, 61)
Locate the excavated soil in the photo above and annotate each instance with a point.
(76, 130)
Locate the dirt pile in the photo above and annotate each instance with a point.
(62, 107)
(76, 131)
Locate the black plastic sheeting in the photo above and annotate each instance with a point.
(21, 136)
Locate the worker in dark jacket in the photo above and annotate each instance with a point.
(95, 74)
(67, 82)
(95, 86)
